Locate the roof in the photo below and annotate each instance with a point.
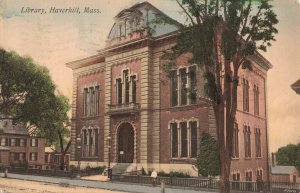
(283, 169)
(146, 12)
(8, 127)
(296, 86)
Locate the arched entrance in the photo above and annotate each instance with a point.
(125, 143)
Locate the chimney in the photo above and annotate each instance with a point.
(274, 160)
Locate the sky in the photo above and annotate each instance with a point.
(53, 39)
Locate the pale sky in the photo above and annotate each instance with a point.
(55, 39)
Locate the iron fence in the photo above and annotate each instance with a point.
(52, 172)
(198, 183)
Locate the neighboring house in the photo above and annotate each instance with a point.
(18, 148)
(285, 174)
(53, 158)
(124, 103)
(296, 86)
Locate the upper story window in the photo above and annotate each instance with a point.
(258, 142)
(235, 142)
(256, 99)
(247, 141)
(13, 142)
(91, 101)
(126, 88)
(33, 142)
(245, 95)
(4, 142)
(183, 86)
(23, 142)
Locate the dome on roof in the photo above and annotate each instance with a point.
(136, 22)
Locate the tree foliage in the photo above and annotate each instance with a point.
(28, 95)
(208, 161)
(222, 36)
(289, 156)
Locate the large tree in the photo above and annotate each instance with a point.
(222, 35)
(289, 155)
(28, 95)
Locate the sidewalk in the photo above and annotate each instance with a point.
(98, 184)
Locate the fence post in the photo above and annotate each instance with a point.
(5, 173)
(163, 186)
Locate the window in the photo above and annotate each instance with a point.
(46, 158)
(133, 94)
(4, 142)
(258, 142)
(174, 139)
(90, 142)
(84, 137)
(193, 128)
(193, 84)
(183, 86)
(174, 88)
(33, 156)
(126, 78)
(259, 174)
(184, 139)
(14, 156)
(236, 177)
(22, 156)
(119, 91)
(248, 175)
(91, 101)
(126, 88)
(256, 99)
(23, 142)
(235, 142)
(34, 142)
(247, 141)
(12, 142)
(245, 95)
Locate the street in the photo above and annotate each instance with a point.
(88, 184)
(23, 186)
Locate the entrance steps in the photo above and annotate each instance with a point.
(121, 168)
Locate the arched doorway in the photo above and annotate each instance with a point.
(125, 143)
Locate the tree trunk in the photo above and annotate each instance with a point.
(62, 150)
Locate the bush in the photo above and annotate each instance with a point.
(208, 161)
(174, 174)
(100, 169)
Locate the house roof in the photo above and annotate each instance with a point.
(283, 169)
(8, 127)
(296, 86)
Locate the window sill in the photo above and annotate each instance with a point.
(90, 117)
(235, 158)
(258, 157)
(183, 160)
(248, 158)
(183, 106)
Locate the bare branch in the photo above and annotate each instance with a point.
(186, 12)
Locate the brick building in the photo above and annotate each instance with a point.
(17, 147)
(126, 105)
